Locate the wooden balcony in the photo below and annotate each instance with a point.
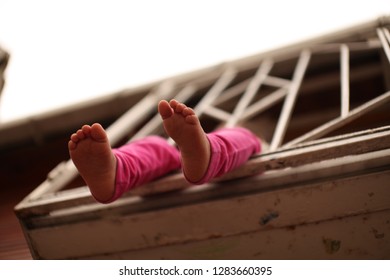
(323, 192)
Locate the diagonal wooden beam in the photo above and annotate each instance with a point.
(289, 102)
(384, 37)
(341, 121)
(264, 103)
(250, 92)
(215, 91)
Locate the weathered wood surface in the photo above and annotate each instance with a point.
(356, 237)
(318, 172)
(233, 218)
(369, 141)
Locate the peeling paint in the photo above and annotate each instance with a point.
(377, 235)
(268, 217)
(331, 246)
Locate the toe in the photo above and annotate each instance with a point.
(86, 129)
(80, 134)
(180, 107)
(188, 112)
(98, 133)
(72, 145)
(173, 103)
(74, 138)
(164, 109)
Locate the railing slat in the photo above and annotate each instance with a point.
(344, 73)
(289, 102)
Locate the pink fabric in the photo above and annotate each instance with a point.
(230, 148)
(142, 161)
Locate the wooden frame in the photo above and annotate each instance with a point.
(333, 158)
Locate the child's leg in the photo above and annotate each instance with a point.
(110, 172)
(206, 156)
(142, 161)
(230, 148)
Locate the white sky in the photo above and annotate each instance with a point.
(67, 51)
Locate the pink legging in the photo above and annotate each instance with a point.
(144, 160)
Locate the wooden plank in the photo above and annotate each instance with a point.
(370, 44)
(269, 181)
(289, 103)
(344, 73)
(197, 222)
(286, 159)
(250, 92)
(372, 140)
(353, 238)
(341, 121)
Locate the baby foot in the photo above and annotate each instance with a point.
(183, 126)
(91, 152)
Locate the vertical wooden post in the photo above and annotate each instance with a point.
(344, 77)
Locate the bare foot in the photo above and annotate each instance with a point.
(183, 126)
(91, 152)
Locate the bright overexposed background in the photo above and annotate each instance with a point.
(67, 51)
